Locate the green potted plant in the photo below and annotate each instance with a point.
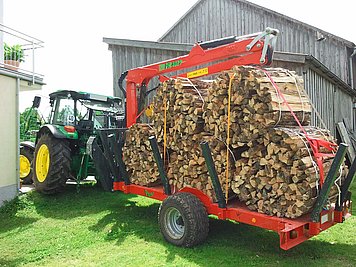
(13, 55)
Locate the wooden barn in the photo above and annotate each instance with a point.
(326, 61)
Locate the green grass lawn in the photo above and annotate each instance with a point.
(95, 228)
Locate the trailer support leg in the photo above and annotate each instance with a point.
(159, 161)
(115, 141)
(346, 185)
(329, 181)
(213, 175)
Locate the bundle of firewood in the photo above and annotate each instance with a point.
(277, 174)
(179, 104)
(256, 104)
(187, 166)
(271, 165)
(138, 157)
(275, 171)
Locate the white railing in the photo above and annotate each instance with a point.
(19, 51)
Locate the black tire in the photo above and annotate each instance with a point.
(27, 153)
(183, 220)
(59, 165)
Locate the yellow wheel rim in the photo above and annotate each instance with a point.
(42, 163)
(25, 166)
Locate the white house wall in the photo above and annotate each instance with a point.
(8, 138)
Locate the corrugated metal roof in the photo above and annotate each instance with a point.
(330, 35)
(148, 44)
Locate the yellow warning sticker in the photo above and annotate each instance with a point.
(149, 111)
(197, 73)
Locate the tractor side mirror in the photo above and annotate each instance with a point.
(36, 102)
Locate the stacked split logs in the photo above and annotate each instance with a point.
(138, 156)
(271, 165)
(255, 103)
(275, 172)
(184, 103)
(188, 168)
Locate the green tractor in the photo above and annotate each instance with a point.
(61, 145)
(30, 124)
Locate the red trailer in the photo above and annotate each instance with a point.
(183, 215)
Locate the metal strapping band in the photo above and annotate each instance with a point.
(228, 136)
(195, 88)
(232, 154)
(164, 127)
(298, 90)
(311, 157)
(338, 179)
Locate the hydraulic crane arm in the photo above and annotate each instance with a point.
(254, 49)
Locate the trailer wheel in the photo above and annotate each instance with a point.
(183, 220)
(26, 157)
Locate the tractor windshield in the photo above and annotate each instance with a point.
(67, 111)
(104, 114)
(105, 120)
(64, 112)
(102, 106)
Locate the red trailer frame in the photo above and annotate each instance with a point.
(256, 49)
(291, 231)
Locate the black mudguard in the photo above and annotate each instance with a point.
(28, 144)
(48, 128)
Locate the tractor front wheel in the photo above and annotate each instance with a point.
(51, 164)
(183, 220)
(26, 157)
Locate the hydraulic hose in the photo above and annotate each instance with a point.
(121, 80)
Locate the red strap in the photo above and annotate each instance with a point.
(139, 115)
(314, 143)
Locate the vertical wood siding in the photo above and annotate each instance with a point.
(212, 19)
(125, 58)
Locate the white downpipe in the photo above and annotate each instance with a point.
(351, 68)
(18, 133)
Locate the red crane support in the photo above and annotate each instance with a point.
(255, 49)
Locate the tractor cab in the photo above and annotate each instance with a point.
(85, 111)
(61, 144)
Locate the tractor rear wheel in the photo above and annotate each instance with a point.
(26, 157)
(183, 220)
(51, 164)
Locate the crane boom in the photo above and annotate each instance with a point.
(220, 54)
